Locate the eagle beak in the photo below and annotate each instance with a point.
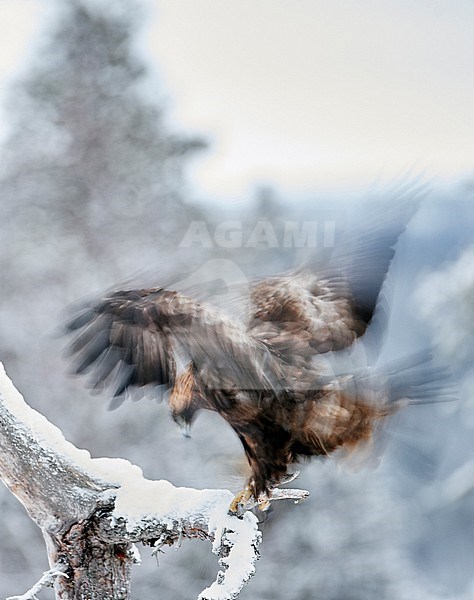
(186, 430)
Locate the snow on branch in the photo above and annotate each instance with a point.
(74, 497)
(47, 580)
(159, 514)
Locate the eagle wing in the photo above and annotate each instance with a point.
(362, 256)
(328, 306)
(300, 315)
(133, 338)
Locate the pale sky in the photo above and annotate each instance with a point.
(306, 94)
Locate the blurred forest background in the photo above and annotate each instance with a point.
(94, 192)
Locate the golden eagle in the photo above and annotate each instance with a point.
(263, 375)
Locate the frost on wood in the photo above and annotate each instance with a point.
(92, 511)
(47, 580)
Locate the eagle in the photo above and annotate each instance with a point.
(272, 376)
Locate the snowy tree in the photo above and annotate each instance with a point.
(91, 171)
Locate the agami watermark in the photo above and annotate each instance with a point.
(263, 233)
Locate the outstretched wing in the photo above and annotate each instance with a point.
(362, 256)
(303, 313)
(139, 337)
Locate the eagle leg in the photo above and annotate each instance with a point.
(247, 498)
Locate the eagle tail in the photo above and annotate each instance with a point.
(352, 420)
(413, 379)
(416, 379)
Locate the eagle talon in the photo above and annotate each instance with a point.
(288, 478)
(263, 503)
(238, 505)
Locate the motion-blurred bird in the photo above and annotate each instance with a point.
(264, 375)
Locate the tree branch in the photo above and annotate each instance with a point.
(91, 511)
(47, 580)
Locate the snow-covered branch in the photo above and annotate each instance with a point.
(92, 511)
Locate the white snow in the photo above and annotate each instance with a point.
(239, 565)
(47, 434)
(138, 499)
(112, 470)
(135, 553)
